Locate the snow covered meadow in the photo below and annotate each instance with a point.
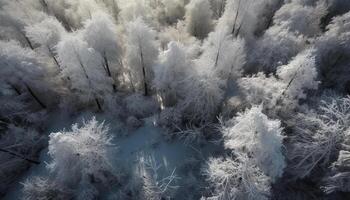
(174, 99)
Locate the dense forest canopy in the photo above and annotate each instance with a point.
(174, 99)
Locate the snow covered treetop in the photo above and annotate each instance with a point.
(252, 132)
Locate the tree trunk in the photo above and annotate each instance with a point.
(145, 87)
(87, 77)
(19, 156)
(35, 97)
(44, 5)
(15, 89)
(28, 41)
(234, 23)
(217, 57)
(98, 104)
(54, 58)
(108, 70)
(239, 28)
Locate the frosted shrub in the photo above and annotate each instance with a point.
(319, 136)
(41, 188)
(299, 18)
(170, 118)
(203, 97)
(141, 106)
(173, 11)
(277, 46)
(79, 157)
(218, 7)
(253, 133)
(261, 89)
(131, 10)
(236, 178)
(154, 185)
(333, 53)
(178, 33)
(339, 179)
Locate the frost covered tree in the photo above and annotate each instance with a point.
(237, 178)
(82, 66)
(277, 46)
(79, 158)
(131, 10)
(198, 18)
(257, 159)
(170, 74)
(15, 15)
(22, 71)
(72, 14)
(204, 94)
(223, 54)
(196, 70)
(101, 34)
(253, 133)
(299, 76)
(248, 18)
(179, 34)
(112, 6)
(141, 53)
(288, 33)
(291, 84)
(47, 34)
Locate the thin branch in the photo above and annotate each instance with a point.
(20, 156)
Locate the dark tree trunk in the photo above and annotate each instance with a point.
(235, 21)
(28, 41)
(217, 57)
(109, 74)
(87, 77)
(145, 86)
(35, 97)
(98, 104)
(239, 28)
(44, 5)
(20, 156)
(54, 58)
(15, 89)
